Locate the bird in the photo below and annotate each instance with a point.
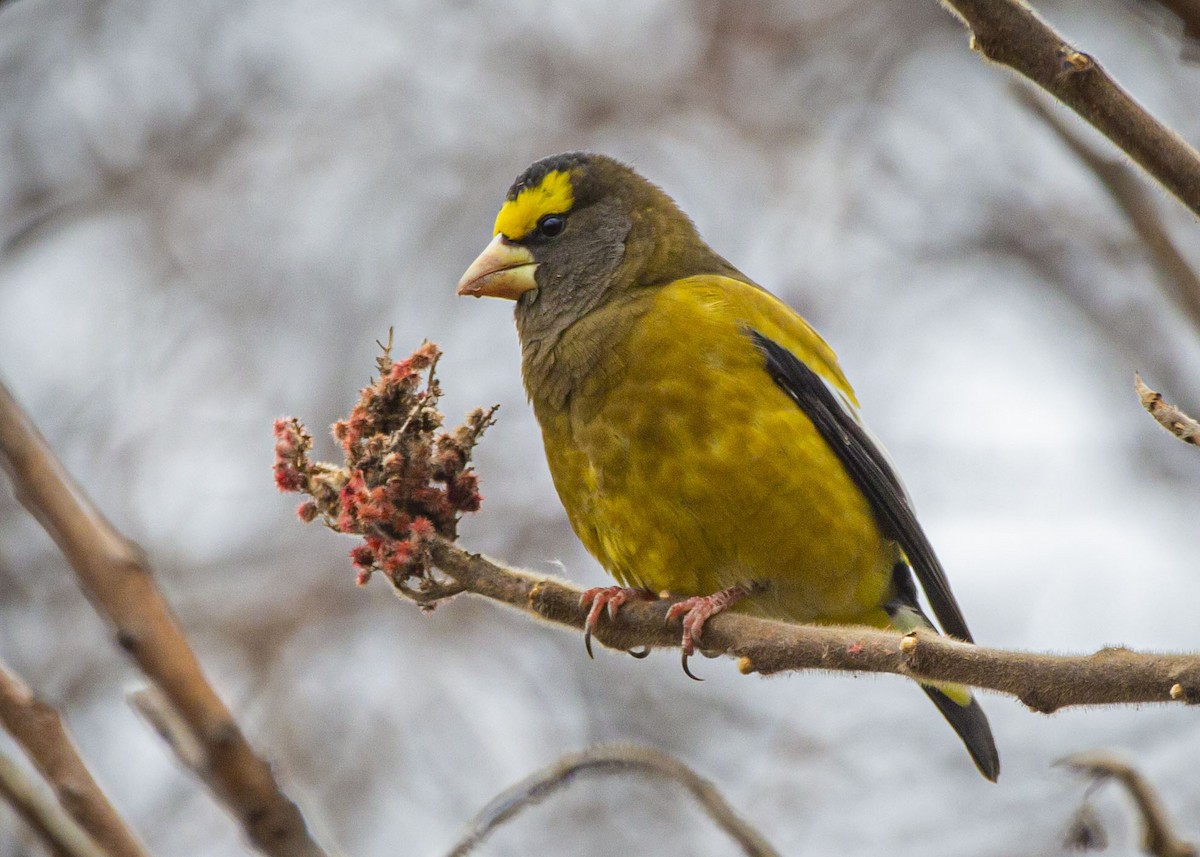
(700, 433)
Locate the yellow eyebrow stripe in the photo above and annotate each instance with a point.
(519, 215)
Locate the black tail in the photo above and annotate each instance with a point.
(971, 725)
(968, 720)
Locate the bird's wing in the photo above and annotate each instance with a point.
(833, 415)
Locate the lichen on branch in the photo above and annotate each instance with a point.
(403, 480)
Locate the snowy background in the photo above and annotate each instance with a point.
(209, 211)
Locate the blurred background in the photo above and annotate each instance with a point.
(209, 212)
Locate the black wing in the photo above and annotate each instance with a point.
(871, 472)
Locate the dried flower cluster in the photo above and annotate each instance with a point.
(403, 481)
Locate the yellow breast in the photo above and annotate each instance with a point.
(687, 469)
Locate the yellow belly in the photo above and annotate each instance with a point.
(690, 471)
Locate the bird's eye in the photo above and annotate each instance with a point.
(552, 225)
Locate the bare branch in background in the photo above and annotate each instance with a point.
(60, 833)
(1167, 415)
(1158, 836)
(620, 760)
(117, 578)
(1130, 193)
(1086, 831)
(38, 728)
(156, 709)
(1010, 32)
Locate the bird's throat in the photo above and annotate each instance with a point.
(558, 360)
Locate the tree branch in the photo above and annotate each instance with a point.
(162, 717)
(38, 728)
(117, 578)
(391, 489)
(61, 834)
(1010, 32)
(1043, 682)
(1167, 415)
(1158, 837)
(618, 759)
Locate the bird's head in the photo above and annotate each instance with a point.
(577, 230)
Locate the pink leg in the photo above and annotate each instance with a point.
(696, 611)
(611, 597)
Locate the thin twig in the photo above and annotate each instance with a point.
(117, 577)
(1158, 836)
(1086, 831)
(38, 728)
(1128, 191)
(61, 834)
(1167, 415)
(1044, 682)
(157, 711)
(1010, 32)
(620, 760)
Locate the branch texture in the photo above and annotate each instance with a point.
(1167, 415)
(1043, 682)
(61, 834)
(38, 728)
(620, 760)
(117, 577)
(1010, 33)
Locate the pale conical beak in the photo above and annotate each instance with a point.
(503, 270)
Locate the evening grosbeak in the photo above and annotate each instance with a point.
(700, 433)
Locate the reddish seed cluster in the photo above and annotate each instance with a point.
(403, 481)
(291, 447)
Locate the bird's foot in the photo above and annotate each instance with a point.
(610, 597)
(696, 611)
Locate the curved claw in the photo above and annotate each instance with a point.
(607, 599)
(643, 653)
(695, 612)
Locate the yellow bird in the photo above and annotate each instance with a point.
(699, 432)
